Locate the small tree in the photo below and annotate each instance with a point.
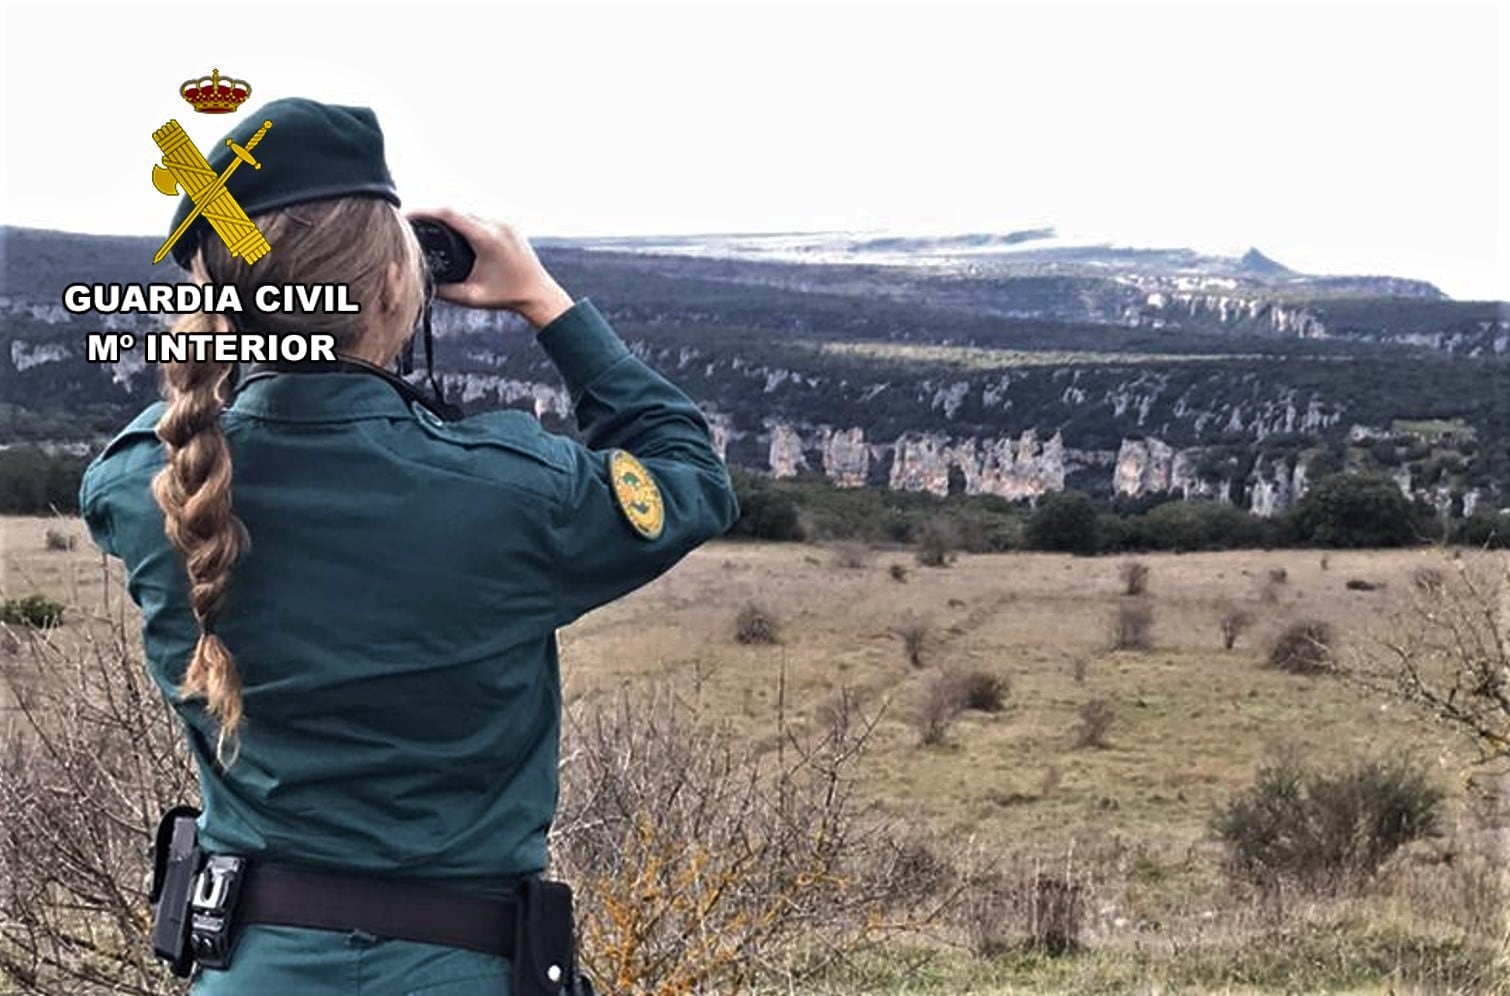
(1064, 522)
(764, 512)
(1356, 510)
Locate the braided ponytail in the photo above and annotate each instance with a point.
(194, 492)
(349, 240)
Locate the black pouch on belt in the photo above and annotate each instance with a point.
(176, 861)
(544, 945)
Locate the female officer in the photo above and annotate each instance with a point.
(351, 602)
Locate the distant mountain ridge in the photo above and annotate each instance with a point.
(1003, 364)
(1022, 253)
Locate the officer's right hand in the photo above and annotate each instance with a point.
(507, 273)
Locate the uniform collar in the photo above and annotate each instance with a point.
(344, 392)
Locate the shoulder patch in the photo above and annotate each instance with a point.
(637, 494)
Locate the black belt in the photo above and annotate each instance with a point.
(274, 894)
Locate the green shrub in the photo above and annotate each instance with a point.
(1184, 526)
(1357, 510)
(36, 611)
(764, 512)
(1484, 528)
(36, 482)
(1065, 522)
(1324, 828)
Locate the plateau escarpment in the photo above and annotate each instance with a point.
(1147, 374)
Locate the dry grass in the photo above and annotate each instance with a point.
(1192, 726)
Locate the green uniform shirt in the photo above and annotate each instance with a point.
(394, 619)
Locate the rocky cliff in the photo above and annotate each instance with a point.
(1230, 380)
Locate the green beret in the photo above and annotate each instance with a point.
(313, 151)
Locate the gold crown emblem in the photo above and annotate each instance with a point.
(213, 95)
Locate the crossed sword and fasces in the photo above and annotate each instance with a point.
(184, 165)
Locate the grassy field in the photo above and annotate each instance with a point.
(1192, 722)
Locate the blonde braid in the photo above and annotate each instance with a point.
(350, 240)
(194, 492)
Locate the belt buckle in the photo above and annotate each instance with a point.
(213, 905)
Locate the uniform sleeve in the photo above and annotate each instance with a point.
(92, 508)
(621, 403)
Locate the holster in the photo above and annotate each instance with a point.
(545, 942)
(176, 861)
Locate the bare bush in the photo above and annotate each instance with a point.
(914, 633)
(940, 706)
(699, 866)
(1428, 580)
(754, 624)
(898, 573)
(1234, 623)
(1278, 575)
(57, 539)
(1096, 718)
(1019, 903)
(95, 760)
(1132, 628)
(850, 556)
(981, 691)
(1304, 647)
(937, 541)
(1134, 575)
(1448, 654)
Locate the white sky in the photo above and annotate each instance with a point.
(1356, 138)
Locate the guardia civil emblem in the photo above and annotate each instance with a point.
(637, 494)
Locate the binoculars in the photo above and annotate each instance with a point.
(448, 256)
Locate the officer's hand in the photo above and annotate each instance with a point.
(507, 273)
